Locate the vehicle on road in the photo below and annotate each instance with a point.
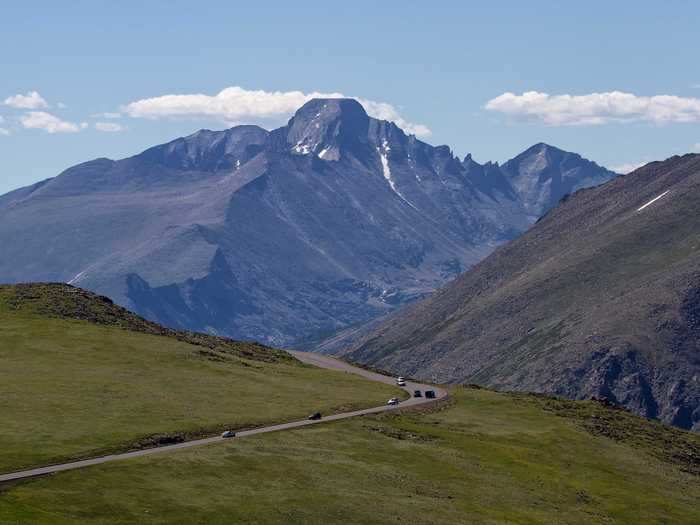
(430, 394)
(315, 416)
(400, 381)
(417, 393)
(393, 401)
(228, 434)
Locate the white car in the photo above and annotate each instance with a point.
(393, 401)
(228, 434)
(400, 381)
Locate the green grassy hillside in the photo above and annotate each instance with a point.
(80, 377)
(484, 458)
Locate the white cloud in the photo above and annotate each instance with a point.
(4, 131)
(109, 127)
(696, 148)
(109, 115)
(49, 123)
(32, 100)
(235, 105)
(596, 108)
(384, 111)
(627, 167)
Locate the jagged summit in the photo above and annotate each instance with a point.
(276, 235)
(327, 127)
(542, 154)
(542, 174)
(331, 109)
(542, 146)
(207, 150)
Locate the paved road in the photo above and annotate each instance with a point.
(306, 357)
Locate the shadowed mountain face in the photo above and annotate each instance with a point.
(281, 236)
(600, 298)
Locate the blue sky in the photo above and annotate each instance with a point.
(442, 67)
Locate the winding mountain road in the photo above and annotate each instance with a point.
(318, 360)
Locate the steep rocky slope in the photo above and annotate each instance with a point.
(600, 298)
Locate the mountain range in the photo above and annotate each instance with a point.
(600, 298)
(282, 236)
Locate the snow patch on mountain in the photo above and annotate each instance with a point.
(77, 278)
(386, 170)
(652, 201)
(301, 148)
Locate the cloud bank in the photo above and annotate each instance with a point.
(32, 100)
(235, 105)
(49, 123)
(595, 108)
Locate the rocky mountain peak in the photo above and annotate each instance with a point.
(538, 156)
(543, 174)
(207, 150)
(327, 128)
(348, 214)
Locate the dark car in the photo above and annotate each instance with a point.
(315, 416)
(417, 393)
(430, 394)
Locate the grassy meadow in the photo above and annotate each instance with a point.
(483, 458)
(72, 388)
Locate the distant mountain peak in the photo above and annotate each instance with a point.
(327, 127)
(545, 146)
(543, 174)
(542, 148)
(347, 108)
(335, 208)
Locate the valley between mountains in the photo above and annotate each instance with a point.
(332, 233)
(353, 263)
(82, 377)
(600, 298)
